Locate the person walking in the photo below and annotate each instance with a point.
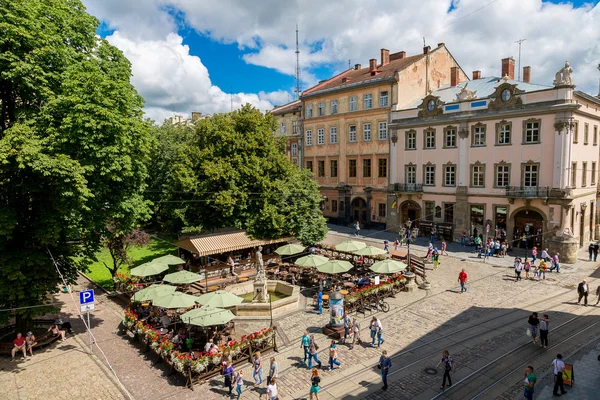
(304, 343)
(356, 228)
(545, 255)
(590, 251)
(239, 382)
(559, 367)
(596, 248)
(463, 240)
(534, 324)
(598, 294)
(429, 251)
(271, 393)
(583, 291)
(518, 269)
(544, 327)
(386, 246)
(436, 260)
(273, 370)
(444, 246)
(527, 268)
(373, 329)
(355, 332)
(396, 244)
(530, 378)
(347, 326)
(462, 278)
(533, 255)
(556, 263)
(315, 381)
(313, 349)
(333, 355)
(447, 360)
(228, 374)
(385, 363)
(320, 301)
(257, 368)
(543, 268)
(376, 332)
(432, 235)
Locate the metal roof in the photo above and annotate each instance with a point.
(219, 243)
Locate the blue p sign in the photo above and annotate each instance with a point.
(87, 296)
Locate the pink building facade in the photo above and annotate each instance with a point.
(519, 158)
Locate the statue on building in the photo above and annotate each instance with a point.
(466, 94)
(563, 76)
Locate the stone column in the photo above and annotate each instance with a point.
(563, 241)
(461, 212)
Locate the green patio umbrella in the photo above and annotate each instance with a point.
(311, 261)
(176, 300)
(219, 298)
(370, 251)
(169, 260)
(182, 277)
(350, 246)
(207, 316)
(335, 267)
(149, 269)
(388, 266)
(289, 249)
(153, 292)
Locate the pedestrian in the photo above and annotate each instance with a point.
(596, 248)
(543, 268)
(347, 326)
(534, 324)
(487, 252)
(530, 378)
(536, 272)
(444, 246)
(598, 294)
(257, 364)
(503, 249)
(447, 360)
(518, 269)
(432, 235)
(385, 363)
(583, 291)
(376, 332)
(462, 278)
(320, 301)
(559, 367)
(544, 327)
(228, 374)
(315, 381)
(591, 250)
(373, 328)
(304, 343)
(356, 228)
(355, 332)
(555, 263)
(526, 267)
(313, 349)
(463, 240)
(273, 370)
(436, 260)
(386, 246)
(272, 390)
(333, 355)
(239, 382)
(429, 251)
(545, 255)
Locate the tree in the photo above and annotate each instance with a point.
(118, 245)
(232, 171)
(73, 148)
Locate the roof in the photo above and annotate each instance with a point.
(588, 97)
(219, 243)
(484, 88)
(363, 75)
(289, 107)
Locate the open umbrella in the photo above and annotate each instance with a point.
(149, 269)
(207, 316)
(176, 300)
(153, 292)
(219, 298)
(290, 249)
(311, 261)
(182, 277)
(370, 251)
(350, 246)
(335, 267)
(388, 266)
(169, 260)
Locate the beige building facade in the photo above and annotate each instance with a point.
(346, 138)
(514, 156)
(289, 125)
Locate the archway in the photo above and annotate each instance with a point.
(410, 210)
(359, 210)
(535, 221)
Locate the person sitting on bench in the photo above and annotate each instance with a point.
(19, 343)
(30, 342)
(62, 324)
(57, 332)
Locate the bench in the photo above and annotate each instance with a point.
(45, 339)
(418, 267)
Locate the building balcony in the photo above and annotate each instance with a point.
(527, 192)
(408, 187)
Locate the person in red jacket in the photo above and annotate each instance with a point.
(462, 278)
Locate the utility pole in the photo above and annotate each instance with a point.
(520, 41)
(298, 88)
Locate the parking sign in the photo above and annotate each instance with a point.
(87, 296)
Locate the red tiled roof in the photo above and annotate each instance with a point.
(289, 107)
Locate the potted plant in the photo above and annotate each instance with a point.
(426, 285)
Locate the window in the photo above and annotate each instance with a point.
(449, 213)
(320, 136)
(595, 135)
(366, 168)
(283, 128)
(531, 132)
(334, 107)
(429, 210)
(309, 138)
(478, 175)
(503, 133)
(411, 140)
(295, 125)
(586, 133)
(576, 132)
(352, 168)
(502, 175)
(382, 131)
(333, 135)
(450, 136)
(530, 175)
(382, 168)
(574, 174)
(429, 175)
(294, 149)
(334, 207)
(353, 103)
(584, 173)
(478, 135)
(438, 212)
(366, 132)
(383, 99)
(352, 134)
(309, 166)
(411, 174)
(450, 175)
(321, 168)
(368, 101)
(500, 221)
(593, 182)
(382, 212)
(309, 111)
(321, 108)
(429, 139)
(334, 167)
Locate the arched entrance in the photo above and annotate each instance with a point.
(535, 221)
(359, 210)
(410, 210)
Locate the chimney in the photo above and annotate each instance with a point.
(526, 74)
(453, 76)
(426, 49)
(441, 44)
(385, 56)
(372, 64)
(508, 68)
(398, 56)
(476, 74)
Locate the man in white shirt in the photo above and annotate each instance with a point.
(208, 345)
(272, 390)
(559, 367)
(583, 290)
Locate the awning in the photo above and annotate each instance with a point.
(219, 243)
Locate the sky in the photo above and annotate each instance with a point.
(212, 55)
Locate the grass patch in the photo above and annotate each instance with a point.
(139, 255)
(248, 297)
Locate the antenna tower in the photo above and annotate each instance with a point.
(520, 41)
(298, 88)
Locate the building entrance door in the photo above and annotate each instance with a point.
(359, 210)
(535, 221)
(411, 211)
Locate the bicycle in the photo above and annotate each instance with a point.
(382, 305)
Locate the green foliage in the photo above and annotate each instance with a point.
(73, 146)
(232, 172)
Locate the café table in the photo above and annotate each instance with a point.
(343, 292)
(349, 285)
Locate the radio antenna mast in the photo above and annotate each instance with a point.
(298, 88)
(520, 42)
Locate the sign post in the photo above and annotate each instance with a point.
(86, 301)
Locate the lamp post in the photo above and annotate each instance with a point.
(526, 239)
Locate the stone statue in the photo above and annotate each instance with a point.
(466, 94)
(260, 266)
(565, 233)
(563, 77)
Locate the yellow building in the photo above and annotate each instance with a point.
(346, 138)
(289, 124)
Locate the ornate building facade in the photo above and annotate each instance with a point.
(289, 125)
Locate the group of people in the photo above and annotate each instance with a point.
(25, 344)
(236, 378)
(558, 367)
(538, 271)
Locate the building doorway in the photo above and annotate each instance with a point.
(535, 221)
(359, 210)
(581, 228)
(410, 211)
(591, 221)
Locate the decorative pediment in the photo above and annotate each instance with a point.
(410, 131)
(506, 96)
(502, 162)
(449, 163)
(431, 107)
(429, 163)
(466, 94)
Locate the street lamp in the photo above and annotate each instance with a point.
(408, 234)
(526, 239)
